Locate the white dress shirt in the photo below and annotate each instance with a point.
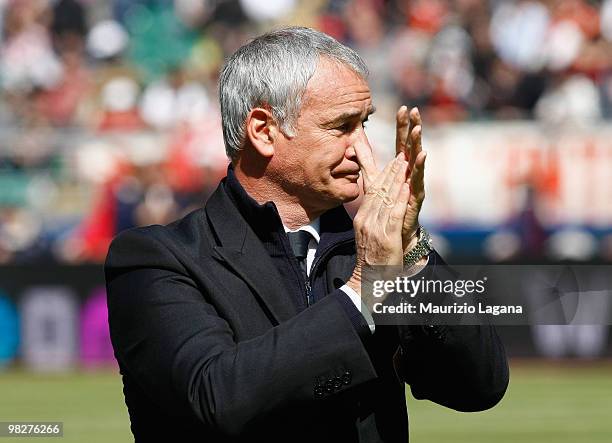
(313, 229)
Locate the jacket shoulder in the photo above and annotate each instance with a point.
(159, 245)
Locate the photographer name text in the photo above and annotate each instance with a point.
(455, 308)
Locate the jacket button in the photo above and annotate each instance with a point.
(318, 391)
(338, 382)
(346, 377)
(329, 386)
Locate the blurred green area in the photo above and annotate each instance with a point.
(545, 402)
(89, 403)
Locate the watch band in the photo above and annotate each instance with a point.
(420, 250)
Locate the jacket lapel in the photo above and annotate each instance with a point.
(241, 250)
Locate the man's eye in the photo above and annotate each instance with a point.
(349, 126)
(345, 127)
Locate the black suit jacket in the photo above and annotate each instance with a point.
(212, 349)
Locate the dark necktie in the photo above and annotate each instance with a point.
(299, 243)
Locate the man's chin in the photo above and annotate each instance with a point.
(338, 194)
(349, 192)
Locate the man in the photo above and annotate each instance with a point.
(225, 330)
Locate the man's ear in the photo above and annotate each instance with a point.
(261, 130)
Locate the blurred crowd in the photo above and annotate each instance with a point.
(109, 115)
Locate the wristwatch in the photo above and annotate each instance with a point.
(420, 250)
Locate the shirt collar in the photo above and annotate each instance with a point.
(313, 228)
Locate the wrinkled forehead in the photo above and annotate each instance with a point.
(335, 86)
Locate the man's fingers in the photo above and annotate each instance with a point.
(398, 179)
(417, 179)
(415, 118)
(389, 177)
(373, 194)
(388, 172)
(389, 200)
(397, 214)
(401, 130)
(365, 158)
(414, 137)
(416, 146)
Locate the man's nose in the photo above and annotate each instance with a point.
(350, 153)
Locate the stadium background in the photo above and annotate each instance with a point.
(109, 119)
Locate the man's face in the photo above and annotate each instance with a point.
(319, 165)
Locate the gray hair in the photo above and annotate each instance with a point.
(273, 70)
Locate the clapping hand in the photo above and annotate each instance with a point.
(387, 220)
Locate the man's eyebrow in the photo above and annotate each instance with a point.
(348, 115)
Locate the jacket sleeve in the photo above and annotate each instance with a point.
(458, 366)
(170, 340)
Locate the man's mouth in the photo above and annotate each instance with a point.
(350, 175)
